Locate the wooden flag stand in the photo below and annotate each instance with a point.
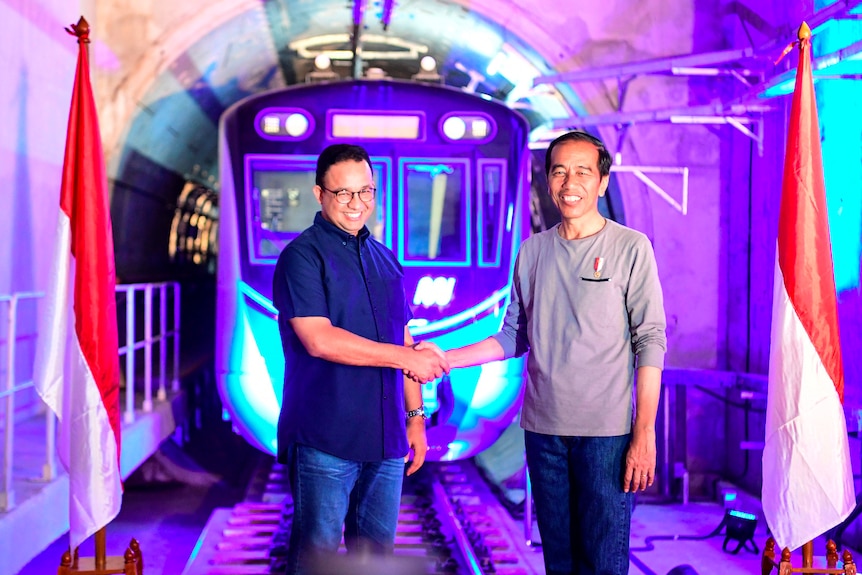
(131, 563)
(767, 563)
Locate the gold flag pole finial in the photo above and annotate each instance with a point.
(803, 35)
(81, 30)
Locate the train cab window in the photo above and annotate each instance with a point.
(493, 210)
(434, 207)
(281, 202)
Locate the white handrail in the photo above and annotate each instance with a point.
(149, 340)
(7, 493)
(132, 344)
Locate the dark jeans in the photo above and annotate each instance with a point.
(330, 492)
(583, 514)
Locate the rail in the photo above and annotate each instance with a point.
(155, 333)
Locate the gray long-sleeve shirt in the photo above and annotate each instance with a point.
(585, 309)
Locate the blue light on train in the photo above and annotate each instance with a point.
(497, 298)
(434, 291)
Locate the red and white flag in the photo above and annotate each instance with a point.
(807, 478)
(77, 362)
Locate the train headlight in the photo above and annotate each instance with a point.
(279, 123)
(454, 128)
(472, 127)
(296, 125)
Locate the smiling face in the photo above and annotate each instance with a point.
(575, 182)
(350, 175)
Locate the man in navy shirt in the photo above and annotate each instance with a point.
(349, 416)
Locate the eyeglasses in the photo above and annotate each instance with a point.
(346, 196)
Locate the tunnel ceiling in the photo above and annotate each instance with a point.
(274, 44)
(235, 48)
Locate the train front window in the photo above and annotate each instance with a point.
(492, 210)
(434, 208)
(280, 201)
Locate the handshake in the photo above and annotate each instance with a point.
(426, 362)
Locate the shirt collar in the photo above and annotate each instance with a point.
(332, 229)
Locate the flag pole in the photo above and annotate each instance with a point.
(101, 549)
(81, 30)
(803, 35)
(808, 554)
(805, 355)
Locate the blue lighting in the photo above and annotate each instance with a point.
(742, 515)
(841, 137)
(466, 315)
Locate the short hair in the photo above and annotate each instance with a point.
(581, 136)
(337, 153)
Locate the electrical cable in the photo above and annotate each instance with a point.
(648, 546)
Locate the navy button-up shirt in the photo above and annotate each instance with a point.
(352, 412)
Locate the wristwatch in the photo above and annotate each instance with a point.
(418, 411)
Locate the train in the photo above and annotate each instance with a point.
(453, 178)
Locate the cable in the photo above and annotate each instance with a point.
(648, 546)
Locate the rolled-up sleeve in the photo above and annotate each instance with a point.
(645, 305)
(513, 334)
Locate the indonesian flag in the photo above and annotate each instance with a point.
(807, 478)
(77, 358)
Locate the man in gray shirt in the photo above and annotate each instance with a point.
(587, 305)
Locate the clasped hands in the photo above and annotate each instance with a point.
(427, 362)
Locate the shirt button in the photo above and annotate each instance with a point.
(385, 397)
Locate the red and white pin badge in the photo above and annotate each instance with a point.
(598, 265)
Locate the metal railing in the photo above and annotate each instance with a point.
(151, 337)
(7, 495)
(148, 342)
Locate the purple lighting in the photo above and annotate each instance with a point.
(358, 7)
(387, 13)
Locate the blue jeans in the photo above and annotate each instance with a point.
(330, 492)
(583, 514)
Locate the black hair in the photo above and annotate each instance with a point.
(337, 153)
(580, 136)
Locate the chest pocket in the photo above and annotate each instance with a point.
(386, 290)
(388, 295)
(600, 302)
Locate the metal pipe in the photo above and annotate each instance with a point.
(665, 472)
(176, 330)
(528, 507)
(148, 348)
(129, 415)
(163, 342)
(7, 496)
(49, 469)
(355, 41)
